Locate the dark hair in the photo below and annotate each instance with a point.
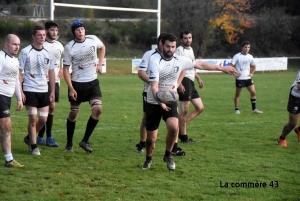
(245, 43)
(75, 25)
(185, 32)
(160, 37)
(36, 28)
(170, 37)
(50, 24)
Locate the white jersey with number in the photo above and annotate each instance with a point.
(295, 92)
(144, 65)
(189, 53)
(55, 48)
(242, 63)
(9, 74)
(82, 56)
(166, 72)
(36, 65)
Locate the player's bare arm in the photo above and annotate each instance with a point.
(252, 71)
(72, 93)
(52, 84)
(101, 55)
(207, 66)
(143, 75)
(21, 88)
(180, 78)
(201, 83)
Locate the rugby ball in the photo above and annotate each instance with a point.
(167, 96)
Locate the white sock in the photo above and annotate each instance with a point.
(8, 157)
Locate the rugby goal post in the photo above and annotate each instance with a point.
(158, 11)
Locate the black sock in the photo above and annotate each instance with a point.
(49, 124)
(33, 146)
(90, 126)
(148, 158)
(175, 145)
(70, 132)
(282, 138)
(236, 108)
(183, 137)
(42, 131)
(167, 153)
(253, 103)
(143, 144)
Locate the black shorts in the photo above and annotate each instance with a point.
(190, 91)
(155, 112)
(56, 91)
(144, 101)
(293, 105)
(37, 99)
(243, 83)
(86, 91)
(5, 103)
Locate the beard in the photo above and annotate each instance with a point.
(166, 55)
(49, 36)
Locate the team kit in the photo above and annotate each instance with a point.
(168, 73)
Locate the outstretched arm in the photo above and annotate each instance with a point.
(225, 69)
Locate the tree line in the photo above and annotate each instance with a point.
(218, 26)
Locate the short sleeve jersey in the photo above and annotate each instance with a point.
(295, 92)
(36, 65)
(242, 64)
(189, 53)
(82, 56)
(9, 73)
(56, 49)
(166, 72)
(144, 65)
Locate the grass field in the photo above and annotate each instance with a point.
(232, 150)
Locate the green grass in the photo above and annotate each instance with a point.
(230, 148)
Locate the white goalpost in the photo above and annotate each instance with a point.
(158, 11)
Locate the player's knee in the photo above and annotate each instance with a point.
(73, 113)
(97, 107)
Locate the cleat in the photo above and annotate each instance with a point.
(256, 111)
(26, 140)
(86, 146)
(170, 162)
(237, 112)
(147, 164)
(40, 141)
(36, 151)
(68, 148)
(178, 152)
(140, 148)
(190, 140)
(281, 142)
(50, 142)
(13, 164)
(296, 129)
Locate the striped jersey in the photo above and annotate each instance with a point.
(189, 53)
(295, 91)
(242, 64)
(166, 72)
(9, 75)
(56, 49)
(144, 65)
(82, 56)
(36, 65)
